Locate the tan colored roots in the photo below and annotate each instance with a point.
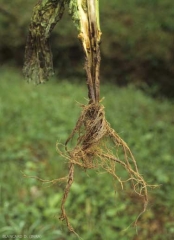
(95, 138)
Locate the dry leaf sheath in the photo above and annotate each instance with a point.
(93, 134)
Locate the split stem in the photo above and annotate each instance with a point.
(90, 38)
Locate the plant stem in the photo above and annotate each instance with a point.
(90, 37)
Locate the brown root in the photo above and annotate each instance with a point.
(95, 138)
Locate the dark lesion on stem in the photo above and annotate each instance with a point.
(90, 38)
(94, 56)
(38, 64)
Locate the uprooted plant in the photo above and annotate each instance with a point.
(93, 133)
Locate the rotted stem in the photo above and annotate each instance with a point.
(38, 65)
(90, 37)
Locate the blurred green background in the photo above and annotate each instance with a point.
(137, 83)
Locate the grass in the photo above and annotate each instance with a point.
(34, 118)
